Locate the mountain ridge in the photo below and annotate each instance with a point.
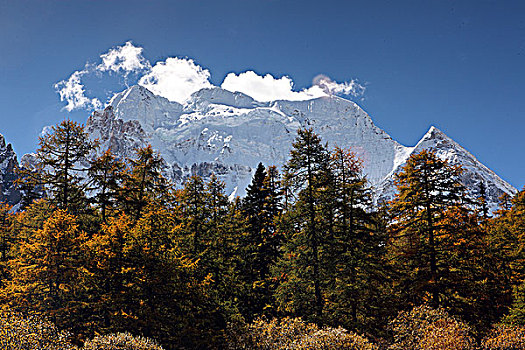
(229, 133)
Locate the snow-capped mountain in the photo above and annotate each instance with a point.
(8, 163)
(226, 133)
(474, 172)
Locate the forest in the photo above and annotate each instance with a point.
(107, 253)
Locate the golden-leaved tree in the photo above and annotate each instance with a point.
(49, 271)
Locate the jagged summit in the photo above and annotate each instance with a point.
(229, 133)
(8, 163)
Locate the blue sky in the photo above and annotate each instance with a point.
(458, 65)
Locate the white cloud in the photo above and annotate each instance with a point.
(176, 78)
(126, 58)
(331, 87)
(72, 91)
(268, 88)
(120, 59)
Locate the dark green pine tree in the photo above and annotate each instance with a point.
(482, 201)
(106, 174)
(60, 165)
(357, 249)
(194, 215)
(427, 186)
(260, 244)
(307, 229)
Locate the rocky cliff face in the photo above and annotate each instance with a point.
(8, 163)
(217, 131)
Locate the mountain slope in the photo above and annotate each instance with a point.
(217, 131)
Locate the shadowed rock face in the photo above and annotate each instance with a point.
(8, 163)
(228, 134)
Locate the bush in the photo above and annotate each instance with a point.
(121, 341)
(18, 332)
(293, 334)
(424, 328)
(334, 339)
(505, 338)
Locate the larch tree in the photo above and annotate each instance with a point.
(427, 186)
(194, 214)
(7, 240)
(106, 174)
(49, 271)
(144, 182)
(508, 232)
(307, 173)
(60, 165)
(357, 247)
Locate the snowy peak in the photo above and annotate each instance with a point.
(134, 93)
(474, 172)
(434, 133)
(229, 133)
(434, 136)
(140, 104)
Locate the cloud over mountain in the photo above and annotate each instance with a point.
(176, 78)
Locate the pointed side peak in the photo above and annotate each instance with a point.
(434, 130)
(434, 133)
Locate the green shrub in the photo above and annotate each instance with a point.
(424, 328)
(121, 341)
(293, 334)
(505, 338)
(18, 332)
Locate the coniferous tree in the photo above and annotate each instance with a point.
(307, 173)
(272, 183)
(110, 280)
(29, 183)
(193, 202)
(7, 240)
(107, 175)
(209, 233)
(260, 207)
(482, 201)
(357, 247)
(427, 186)
(220, 259)
(144, 182)
(61, 161)
(508, 233)
(474, 280)
(48, 273)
